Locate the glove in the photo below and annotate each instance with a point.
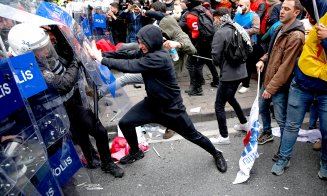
(93, 52)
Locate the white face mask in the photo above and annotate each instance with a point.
(239, 10)
(177, 8)
(218, 1)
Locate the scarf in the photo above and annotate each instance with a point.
(226, 19)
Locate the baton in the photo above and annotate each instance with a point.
(201, 57)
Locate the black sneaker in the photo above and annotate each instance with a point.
(214, 84)
(189, 89)
(196, 92)
(220, 162)
(131, 158)
(111, 167)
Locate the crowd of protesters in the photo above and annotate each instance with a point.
(294, 70)
(277, 37)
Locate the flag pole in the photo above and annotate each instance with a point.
(315, 10)
(258, 87)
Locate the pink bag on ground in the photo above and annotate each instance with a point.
(119, 148)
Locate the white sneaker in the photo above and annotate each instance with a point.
(220, 140)
(241, 127)
(243, 90)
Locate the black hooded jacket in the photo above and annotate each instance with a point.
(156, 68)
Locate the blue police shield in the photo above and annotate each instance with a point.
(27, 74)
(86, 27)
(10, 98)
(99, 21)
(54, 12)
(65, 162)
(45, 182)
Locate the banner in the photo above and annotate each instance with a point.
(27, 74)
(250, 152)
(10, 98)
(65, 162)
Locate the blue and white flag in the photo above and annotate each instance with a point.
(250, 152)
(109, 79)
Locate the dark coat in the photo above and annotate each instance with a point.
(228, 72)
(118, 28)
(156, 68)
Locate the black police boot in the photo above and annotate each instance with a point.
(92, 163)
(111, 167)
(192, 81)
(196, 92)
(92, 158)
(214, 84)
(191, 88)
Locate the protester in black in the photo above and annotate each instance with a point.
(117, 23)
(189, 22)
(163, 104)
(231, 73)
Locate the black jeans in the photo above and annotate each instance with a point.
(226, 93)
(82, 125)
(195, 65)
(174, 118)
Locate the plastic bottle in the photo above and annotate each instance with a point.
(174, 54)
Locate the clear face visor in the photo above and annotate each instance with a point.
(47, 56)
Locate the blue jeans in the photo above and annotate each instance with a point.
(298, 103)
(264, 110)
(279, 101)
(313, 116)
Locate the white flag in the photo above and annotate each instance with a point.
(250, 141)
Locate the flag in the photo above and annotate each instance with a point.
(109, 80)
(250, 152)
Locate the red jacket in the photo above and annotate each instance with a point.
(192, 25)
(263, 19)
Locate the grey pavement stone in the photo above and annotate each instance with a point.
(185, 169)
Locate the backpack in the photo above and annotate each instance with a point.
(237, 50)
(205, 24)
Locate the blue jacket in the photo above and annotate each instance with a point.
(134, 24)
